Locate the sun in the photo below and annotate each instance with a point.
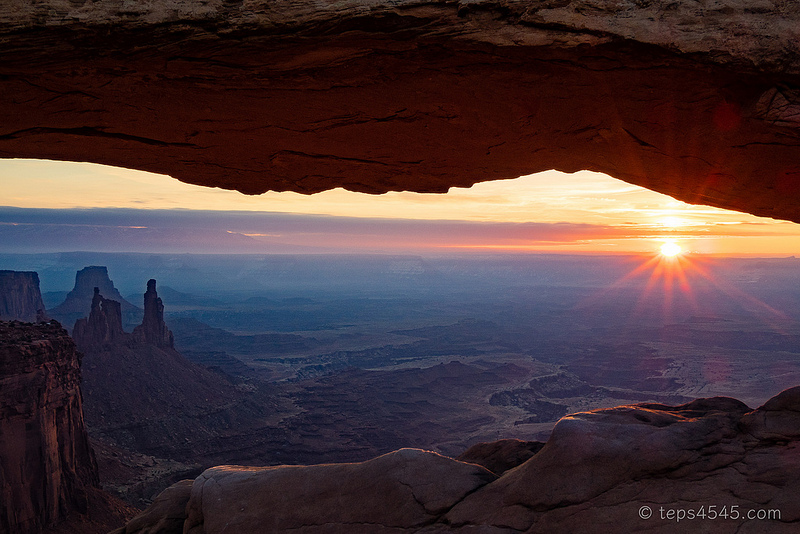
(670, 249)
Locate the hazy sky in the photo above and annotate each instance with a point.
(551, 211)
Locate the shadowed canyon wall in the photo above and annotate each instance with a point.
(699, 102)
(46, 464)
(20, 297)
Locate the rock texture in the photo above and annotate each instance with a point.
(166, 515)
(600, 468)
(20, 298)
(697, 100)
(625, 469)
(153, 330)
(502, 455)
(46, 464)
(104, 324)
(403, 490)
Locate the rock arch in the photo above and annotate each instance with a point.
(699, 103)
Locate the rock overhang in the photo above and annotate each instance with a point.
(697, 102)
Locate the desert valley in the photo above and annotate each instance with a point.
(390, 267)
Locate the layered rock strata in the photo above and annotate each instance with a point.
(697, 101)
(46, 464)
(20, 297)
(644, 467)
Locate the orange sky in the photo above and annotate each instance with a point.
(633, 219)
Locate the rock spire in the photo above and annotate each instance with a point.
(104, 324)
(153, 330)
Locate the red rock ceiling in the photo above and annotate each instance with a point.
(384, 108)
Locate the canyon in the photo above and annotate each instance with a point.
(630, 468)
(48, 471)
(697, 100)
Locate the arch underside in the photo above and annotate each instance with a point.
(389, 108)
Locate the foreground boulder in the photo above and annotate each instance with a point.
(600, 470)
(712, 465)
(406, 489)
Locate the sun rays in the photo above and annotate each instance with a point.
(671, 285)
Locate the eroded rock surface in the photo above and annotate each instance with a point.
(155, 416)
(46, 464)
(502, 455)
(20, 297)
(402, 490)
(699, 101)
(625, 469)
(153, 330)
(166, 515)
(104, 324)
(600, 468)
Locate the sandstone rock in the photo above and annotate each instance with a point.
(600, 468)
(165, 516)
(46, 463)
(778, 419)
(625, 469)
(20, 298)
(153, 330)
(502, 455)
(406, 489)
(695, 100)
(143, 397)
(104, 324)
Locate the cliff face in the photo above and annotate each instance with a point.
(626, 469)
(699, 101)
(142, 397)
(46, 464)
(20, 298)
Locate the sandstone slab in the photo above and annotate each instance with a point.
(400, 491)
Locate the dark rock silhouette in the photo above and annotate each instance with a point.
(46, 463)
(502, 455)
(614, 470)
(79, 301)
(167, 513)
(104, 324)
(153, 330)
(20, 297)
(475, 90)
(144, 399)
